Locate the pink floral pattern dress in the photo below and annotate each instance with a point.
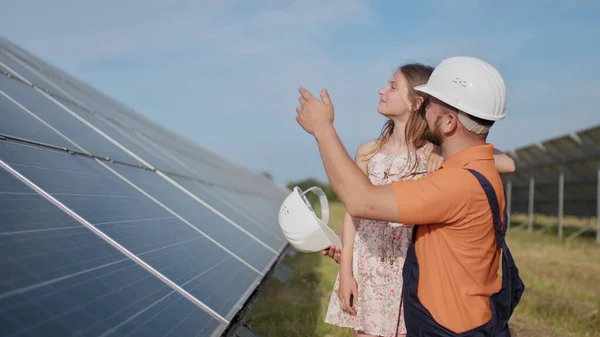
(379, 253)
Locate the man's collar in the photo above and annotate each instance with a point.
(470, 154)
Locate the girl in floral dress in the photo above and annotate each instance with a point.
(367, 294)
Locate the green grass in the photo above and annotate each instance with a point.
(549, 224)
(563, 283)
(562, 296)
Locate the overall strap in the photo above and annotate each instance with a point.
(512, 284)
(499, 224)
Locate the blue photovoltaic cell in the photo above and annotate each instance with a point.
(22, 71)
(61, 279)
(14, 121)
(265, 211)
(214, 172)
(70, 88)
(127, 142)
(199, 216)
(156, 236)
(210, 196)
(63, 121)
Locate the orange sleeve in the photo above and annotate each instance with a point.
(441, 197)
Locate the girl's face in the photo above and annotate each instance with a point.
(394, 98)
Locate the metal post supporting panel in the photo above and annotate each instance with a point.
(531, 196)
(561, 199)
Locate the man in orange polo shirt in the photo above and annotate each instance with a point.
(451, 281)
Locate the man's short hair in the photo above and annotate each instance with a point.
(474, 124)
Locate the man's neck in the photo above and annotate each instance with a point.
(454, 145)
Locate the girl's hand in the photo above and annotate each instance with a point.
(435, 159)
(348, 293)
(333, 251)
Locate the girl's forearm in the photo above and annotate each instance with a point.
(348, 233)
(503, 163)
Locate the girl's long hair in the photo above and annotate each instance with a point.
(414, 74)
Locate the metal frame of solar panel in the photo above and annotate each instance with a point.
(558, 177)
(111, 225)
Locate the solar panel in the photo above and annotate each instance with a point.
(577, 156)
(231, 236)
(8, 64)
(121, 137)
(238, 200)
(61, 279)
(62, 121)
(14, 120)
(258, 229)
(129, 250)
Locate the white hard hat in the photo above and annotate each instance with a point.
(470, 85)
(301, 226)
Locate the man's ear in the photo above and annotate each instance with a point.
(451, 124)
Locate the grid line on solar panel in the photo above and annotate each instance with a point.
(140, 148)
(93, 127)
(44, 79)
(210, 207)
(62, 121)
(244, 205)
(165, 245)
(186, 168)
(257, 206)
(11, 72)
(190, 173)
(208, 223)
(73, 282)
(249, 212)
(235, 213)
(33, 132)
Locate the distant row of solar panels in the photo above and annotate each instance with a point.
(113, 226)
(575, 156)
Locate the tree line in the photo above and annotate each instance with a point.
(308, 183)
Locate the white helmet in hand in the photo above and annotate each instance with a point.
(301, 226)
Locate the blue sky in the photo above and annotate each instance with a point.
(225, 73)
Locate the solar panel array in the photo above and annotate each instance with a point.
(111, 225)
(559, 176)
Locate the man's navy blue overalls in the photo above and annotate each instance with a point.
(420, 323)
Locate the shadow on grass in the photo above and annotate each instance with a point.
(292, 308)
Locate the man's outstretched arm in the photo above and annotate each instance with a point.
(360, 198)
